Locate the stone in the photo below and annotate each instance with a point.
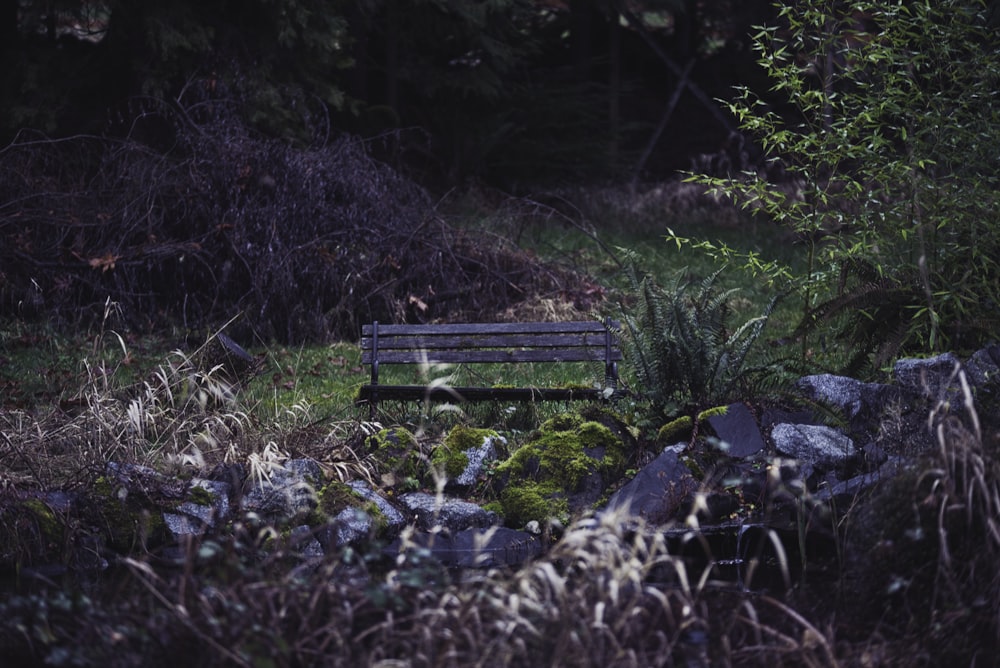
(738, 428)
(303, 539)
(207, 505)
(288, 492)
(860, 404)
(473, 548)
(819, 445)
(657, 492)
(838, 392)
(432, 511)
(929, 377)
(395, 520)
(848, 490)
(983, 367)
(351, 525)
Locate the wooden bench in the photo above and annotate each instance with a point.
(485, 343)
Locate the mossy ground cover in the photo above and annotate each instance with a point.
(39, 366)
(591, 596)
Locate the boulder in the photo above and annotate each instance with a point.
(205, 507)
(430, 511)
(473, 548)
(821, 446)
(738, 429)
(286, 492)
(658, 491)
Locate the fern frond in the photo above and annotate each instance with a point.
(680, 346)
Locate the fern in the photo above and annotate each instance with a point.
(679, 344)
(880, 317)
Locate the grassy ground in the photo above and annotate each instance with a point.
(39, 367)
(80, 401)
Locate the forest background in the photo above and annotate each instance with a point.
(288, 171)
(152, 150)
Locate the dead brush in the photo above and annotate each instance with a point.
(182, 414)
(963, 494)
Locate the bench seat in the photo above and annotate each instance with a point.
(489, 343)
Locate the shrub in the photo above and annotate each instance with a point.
(890, 151)
(680, 343)
(209, 220)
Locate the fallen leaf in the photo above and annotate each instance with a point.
(104, 263)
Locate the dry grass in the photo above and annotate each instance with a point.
(187, 414)
(609, 592)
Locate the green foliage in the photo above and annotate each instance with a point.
(890, 147)
(681, 346)
(279, 60)
(567, 451)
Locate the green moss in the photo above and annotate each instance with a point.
(529, 500)
(127, 524)
(680, 428)
(712, 412)
(398, 454)
(544, 472)
(674, 430)
(449, 458)
(494, 507)
(49, 527)
(335, 497)
(697, 472)
(200, 496)
(561, 422)
(391, 439)
(562, 455)
(466, 438)
(449, 461)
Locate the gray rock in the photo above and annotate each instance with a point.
(819, 445)
(929, 377)
(303, 539)
(860, 404)
(479, 457)
(395, 520)
(838, 392)
(432, 511)
(473, 548)
(849, 489)
(288, 492)
(350, 526)
(738, 428)
(657, 492)
(195, 516)
(983, 368)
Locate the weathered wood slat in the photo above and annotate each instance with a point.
(432, 341)
(486, 328)
(496, 343)
(461, 394)
(476, 356)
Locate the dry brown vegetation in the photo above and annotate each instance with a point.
(194, 219)
(609, 592)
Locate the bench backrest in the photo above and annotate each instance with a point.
(490, 342)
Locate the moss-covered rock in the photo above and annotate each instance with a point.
(336, 497)
(464, 452)
(563, 471)
(529, 500)
(128, 520)
(30, 533)
(399, 457)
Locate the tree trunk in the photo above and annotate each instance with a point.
(581, 23)
(9, 37)
(391, 56)
(614, 86)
